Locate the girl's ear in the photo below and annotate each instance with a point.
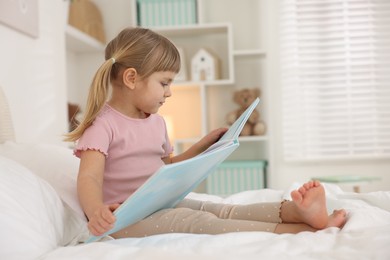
(129, 77)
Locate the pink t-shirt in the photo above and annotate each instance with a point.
(134, 149)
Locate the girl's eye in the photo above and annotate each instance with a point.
(164, 84)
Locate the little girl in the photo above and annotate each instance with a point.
(122, 141)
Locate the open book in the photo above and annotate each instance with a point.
(172, 182)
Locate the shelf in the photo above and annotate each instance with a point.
(247, 53)
(79, 42)
(219, 82)
(193, 30)
(259, 138)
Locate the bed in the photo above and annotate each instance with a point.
(40, 217)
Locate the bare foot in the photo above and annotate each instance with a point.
(311, 205)
(337, 219)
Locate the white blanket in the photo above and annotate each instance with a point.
(366, 235)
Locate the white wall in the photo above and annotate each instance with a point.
(32, 75)
(283, 173)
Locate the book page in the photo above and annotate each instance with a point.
(218, 145)
(236, 128)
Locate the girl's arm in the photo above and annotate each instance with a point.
(90, 192)
(200, 146)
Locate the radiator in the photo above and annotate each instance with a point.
(236, 176)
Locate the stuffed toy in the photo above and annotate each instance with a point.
(245, 97)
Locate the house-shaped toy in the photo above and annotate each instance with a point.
(204, 66)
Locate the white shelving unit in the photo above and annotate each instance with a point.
(216, 37)
(240, 43)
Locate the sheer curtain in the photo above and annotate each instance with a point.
(335, 57)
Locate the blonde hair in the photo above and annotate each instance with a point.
(138, 48)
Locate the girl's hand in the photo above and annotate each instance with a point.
(211, 138)
(200, 146)
(102, 219)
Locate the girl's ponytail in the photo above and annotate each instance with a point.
(97, 97)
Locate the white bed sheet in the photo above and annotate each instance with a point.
(366, 235)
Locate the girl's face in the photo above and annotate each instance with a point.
(152, 91)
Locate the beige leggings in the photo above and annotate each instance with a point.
(199, 217)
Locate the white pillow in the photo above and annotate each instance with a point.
(31, 213)
(53, 163)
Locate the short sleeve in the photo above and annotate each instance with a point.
(96, 137)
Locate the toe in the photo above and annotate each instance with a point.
(316, 183)
(296, 196)
(302, 190)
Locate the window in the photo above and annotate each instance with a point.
(335, 58)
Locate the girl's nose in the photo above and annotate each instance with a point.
(168, 92)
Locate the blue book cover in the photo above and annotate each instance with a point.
(172, 182)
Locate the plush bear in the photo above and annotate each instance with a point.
(244, 98)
